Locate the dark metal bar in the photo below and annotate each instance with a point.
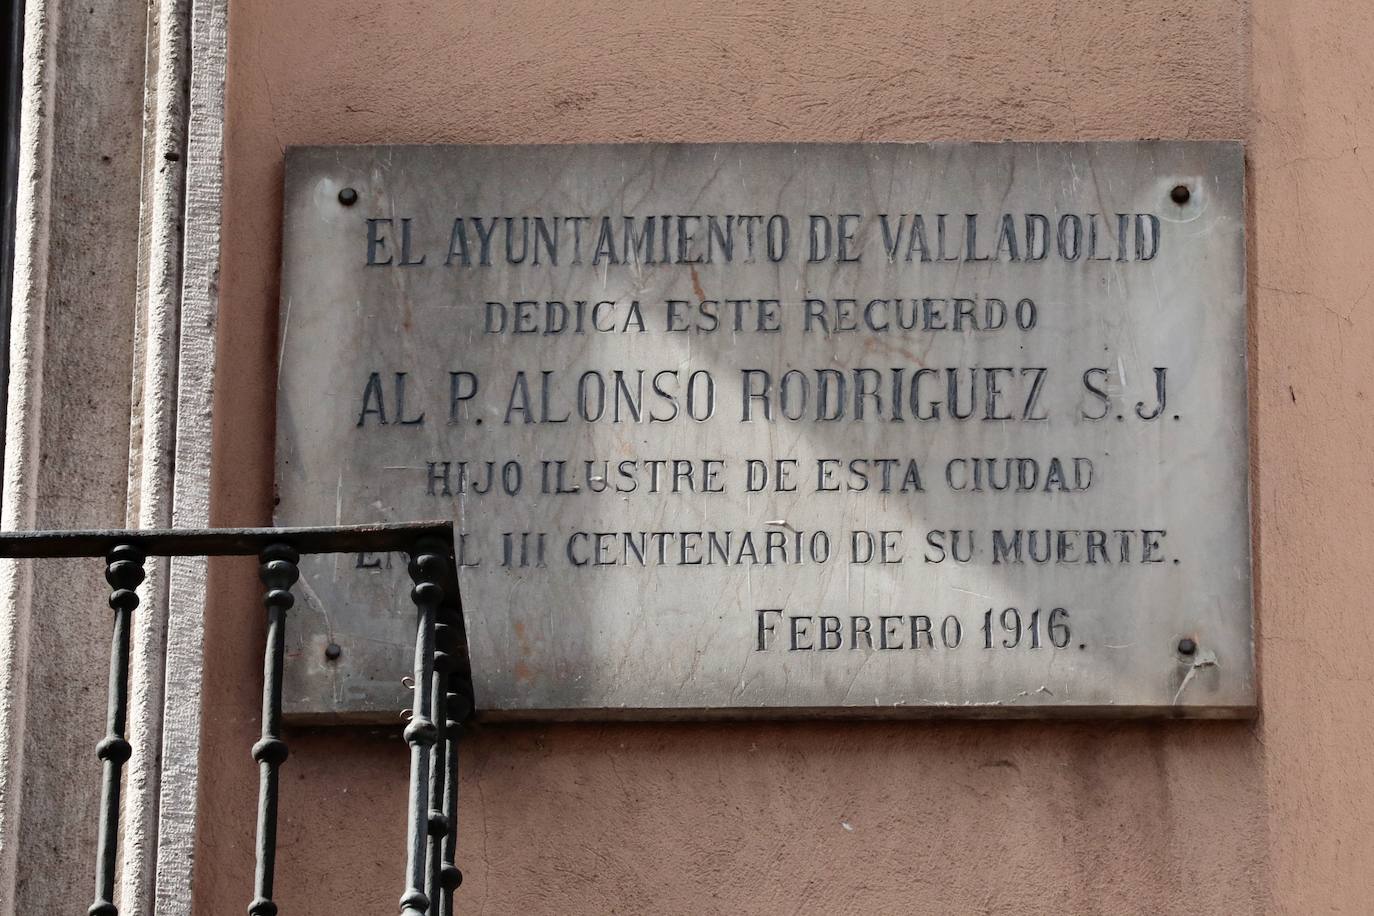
(278, 572)
(443, 798)
(222, 542)
(124, 573)
(438, 820)
(458, 707)
(428, 568)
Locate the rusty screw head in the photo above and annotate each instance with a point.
(1187, 646)
(348, 197)
(1180, 194)
(333, 651)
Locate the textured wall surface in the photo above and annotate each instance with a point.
(67, 438)
(1274, 816)
(1314, 329)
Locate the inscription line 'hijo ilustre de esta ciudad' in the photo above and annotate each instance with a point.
(930, 396)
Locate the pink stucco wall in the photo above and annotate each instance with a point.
(1025, 818)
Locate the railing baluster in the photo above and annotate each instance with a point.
(278, 572)
(124, 573)
(438, 820)
(457, 708)
(428, 565)
(444, 877)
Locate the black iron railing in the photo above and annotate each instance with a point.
(442, 682)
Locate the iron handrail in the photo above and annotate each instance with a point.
(442, 692)
(219, 542)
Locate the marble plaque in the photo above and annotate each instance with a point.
(771, 430)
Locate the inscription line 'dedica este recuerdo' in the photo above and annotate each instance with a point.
(845, 430)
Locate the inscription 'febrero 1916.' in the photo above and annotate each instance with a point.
(727, 430)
